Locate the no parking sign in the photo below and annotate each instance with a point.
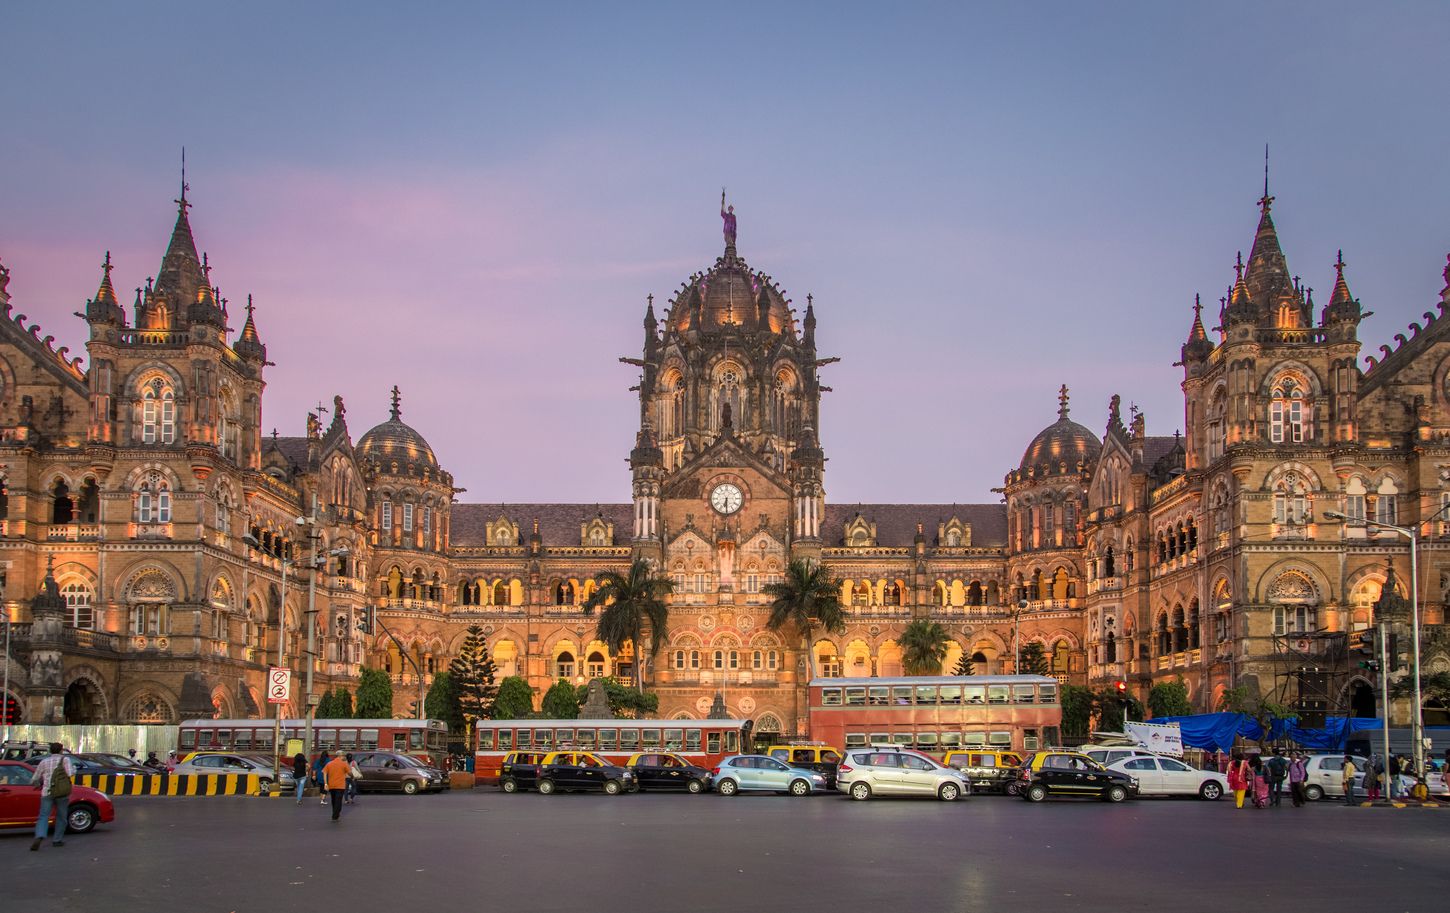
(279, 685)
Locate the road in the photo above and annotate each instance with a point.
(644, 853)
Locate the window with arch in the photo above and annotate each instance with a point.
(1288, 420)
(1386, 502)
(1217, 432)
(407, 517)
(153, 500)
(387, 517)
(727, 398)
(228, 430)
(564, 665)
(1295, 600)
(148, 708)
(79, 610)
(1291, 500)
(1354, 499)
(158, 413)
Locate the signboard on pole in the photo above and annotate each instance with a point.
(1160, 738)
(279, 685)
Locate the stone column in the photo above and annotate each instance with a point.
(47, 693)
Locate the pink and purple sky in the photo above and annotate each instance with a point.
(472, 201)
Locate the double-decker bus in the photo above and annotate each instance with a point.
(937, 713)
(420, 738)
(702, 742)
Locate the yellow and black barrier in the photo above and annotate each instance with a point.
(174, 784)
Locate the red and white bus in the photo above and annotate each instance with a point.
(420, 738)
(702, 742)
(937, 713)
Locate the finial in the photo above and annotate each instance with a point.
(1266, 201)
(274, 437)
(1339, 264)
(1062, 403)
(184, 186)
(1197, 307)
(1239, 265)
(107, 265)
(205, 266)
(49, 564)
(651, 299)
(397, 409)
(250, 307)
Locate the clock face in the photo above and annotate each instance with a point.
(726, 498)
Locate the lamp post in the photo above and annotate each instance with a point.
(5, 694)
(252, 543)
(1016, 637)
(1417, 729)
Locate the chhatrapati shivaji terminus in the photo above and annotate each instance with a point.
(161, 524)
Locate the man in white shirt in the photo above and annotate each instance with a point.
(56, 775)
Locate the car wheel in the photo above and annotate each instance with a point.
(612, 787)
(264, 785)
(509, 786)
(1013, 788)
(1115, 794)
(1210, 790)
(410, 787)
(81, 819)
(727, 787)
(948, 792)
(1036, 793)
(546, 787)
(694, 786)
(800, 788)
(1313, 793)
(860, 791)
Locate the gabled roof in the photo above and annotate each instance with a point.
(558, 523)
(896, 523)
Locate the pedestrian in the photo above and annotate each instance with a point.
(1259, 781)
(1238, 780)
(55, 775)
(1371, 782)
(353, 775)
(317, 766)
(1347, 779)
(1393, 790)
(1298, 773)
(1278, 770)
(299, 773)
(335, 774)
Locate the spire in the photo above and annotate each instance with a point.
(396, 411)
(104, 308)
(1198, 345)
(1240, 302)
(1267, 276)
(1062, 403)
(809, 339)
(1342, 305)
(649, 314)
(181, 277)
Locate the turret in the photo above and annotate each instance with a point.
(249, 346)
(1198, 347)
(104, 309)
(1342, 308)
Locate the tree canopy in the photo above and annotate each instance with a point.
(1033, 659)
(806, 598)
(561, 701)
(442, 703)
(625, 701)
(1169, 699)
(472, 672)
(631, 606)
(374, 695)
(923, 647)
(515, 700)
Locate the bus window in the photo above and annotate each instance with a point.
(1029, 739)
(902, 738)
(505, 740)
(974, 694)
(951, 741)
(566, 738)
(584, 738)
(485, 740)
(437, 741)
(543, 739)
(525, 738)
(243, 739)
(400, 741)
(712, 742)
(926, 694)
(879, 738)
(326, 738)
(996, 694)
(926, 741)
(830, 697)
(262, 738)
(879, 697)
(629, 740)
(974, 739)
(347, 739)
(1047, 694)
(415, 739)
(951, 694)
(650, 738)
(608, 739)
(692, 740)
(901, 695)
(674, 739)
(855, 697)
(368, 738)
(999, 738)
(855, 740)
(732, 741)
(203, 738)
(224, 737)
(188, 738)
(1023, 694)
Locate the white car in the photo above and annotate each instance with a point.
(1324, 775)
(1163, 776)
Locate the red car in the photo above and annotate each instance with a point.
(20, 802)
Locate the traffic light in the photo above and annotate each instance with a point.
(9, 710)
(1120, 688)
(1366, 646)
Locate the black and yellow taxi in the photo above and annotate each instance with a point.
(987, 769)
(663, 770)
(1069, 774)
(583, 771)
(823, 759)
(520, 770)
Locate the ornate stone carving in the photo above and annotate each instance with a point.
(1293, 586)
(151, 585)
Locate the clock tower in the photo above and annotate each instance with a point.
(727, 465)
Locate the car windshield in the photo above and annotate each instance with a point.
(414, 762)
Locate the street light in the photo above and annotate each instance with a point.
(251, 542)
(1417, 728)
(1016, 640)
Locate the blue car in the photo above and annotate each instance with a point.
(760, 772)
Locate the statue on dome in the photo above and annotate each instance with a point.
(727, 214)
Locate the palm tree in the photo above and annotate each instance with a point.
(629, 605)
(923, 647)
(805, 599)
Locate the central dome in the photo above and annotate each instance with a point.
(731, 294)
(396, 441)
(1061, 446)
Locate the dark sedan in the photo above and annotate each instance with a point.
(664, 771)
(520, 770)
(1069, 774)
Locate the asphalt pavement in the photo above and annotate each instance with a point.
(644, 853)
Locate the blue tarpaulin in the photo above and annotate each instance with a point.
(1217, 731)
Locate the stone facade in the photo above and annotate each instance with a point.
(173, 524)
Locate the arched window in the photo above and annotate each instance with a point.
(564, 665)
(1291, 500)
(148, 708)
(1165, 637)
(1295, 599)
(1386, 502)
(954, 538)
(78, 604)
(1287, 416)
(62, 509)
(1217, 433)
(158, 413)
(153, 501)
(387, 515)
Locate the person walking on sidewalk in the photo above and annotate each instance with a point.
(317, 766)
(1347, 779)
(1278, 770)
(299, 773)
(1393, 783)
(335, 774)
(1238, 779)
(353, 775)
(1371, 781)
(56, 776)
(1298, 773)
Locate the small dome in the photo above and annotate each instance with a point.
(1062, 442)
(394, 440)
(729, 294)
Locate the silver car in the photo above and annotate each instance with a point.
(890, 771)
(237, 764)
